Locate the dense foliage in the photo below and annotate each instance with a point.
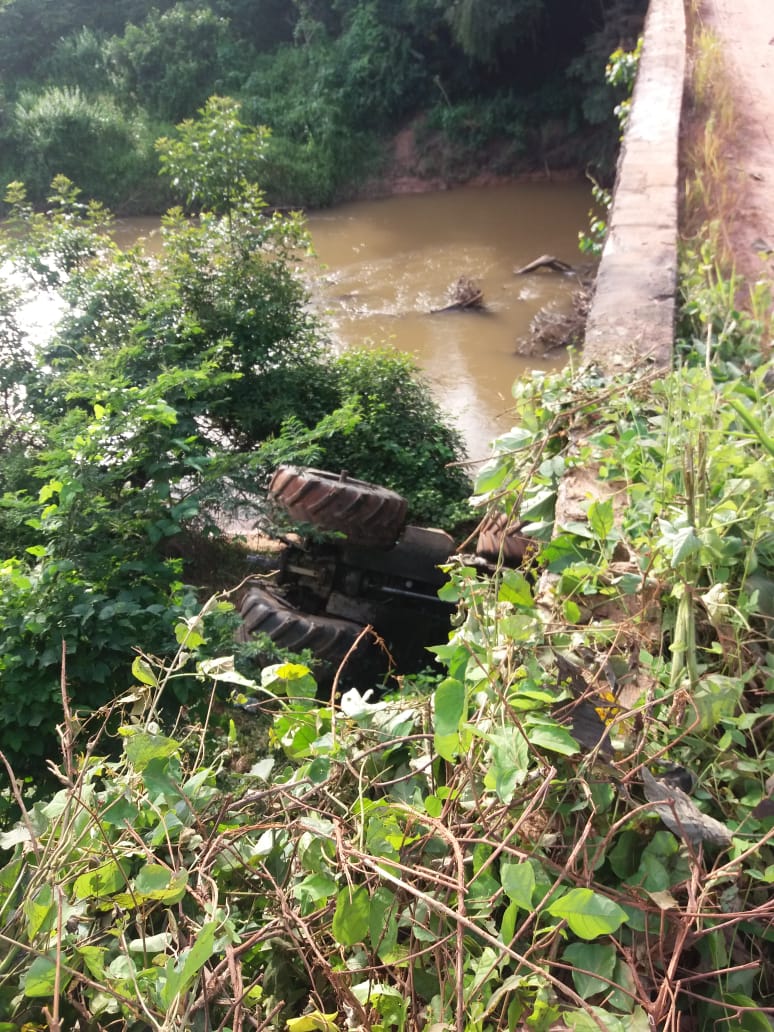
(85, 89)
(157, 399)
(569, 825)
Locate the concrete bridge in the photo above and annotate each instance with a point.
(632, 315)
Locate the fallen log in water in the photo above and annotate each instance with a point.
(545, 261)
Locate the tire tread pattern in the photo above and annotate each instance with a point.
(369, 515)
(263, 613)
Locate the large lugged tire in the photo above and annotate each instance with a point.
(263, 613)
(367, 514)
(501, 540)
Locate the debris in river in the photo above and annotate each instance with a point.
(551, 329)
(545, 261)
(466, 294)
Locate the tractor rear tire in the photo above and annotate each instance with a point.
(264, 613)
(501, 540)
(367, 514)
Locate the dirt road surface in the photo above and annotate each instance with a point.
(745, 29)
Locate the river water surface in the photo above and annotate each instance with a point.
(383, 265)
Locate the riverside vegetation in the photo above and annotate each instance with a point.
(86, 88)
(453, 856)
(166, 393)
(482, 850)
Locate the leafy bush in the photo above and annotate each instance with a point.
(500, 127)
(373, 76)
(174, 60)
(80, 60)
(569, 822)
(316, 149)
(402, 439)
(61, 131)
(317, 171)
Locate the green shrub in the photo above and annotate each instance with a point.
(169, 389)
(171, 62)
(87, 139)
(80, 60)
(473, 125)
(374, 76)
(402, 440)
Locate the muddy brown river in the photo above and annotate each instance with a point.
(385, 264)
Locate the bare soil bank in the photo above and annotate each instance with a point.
(413, 168)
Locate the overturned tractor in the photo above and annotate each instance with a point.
(356, 564)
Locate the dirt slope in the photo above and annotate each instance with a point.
(745, 29)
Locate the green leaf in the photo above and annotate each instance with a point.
(623, 999)
(449, 592)
(651, 874)
(508, 923)
(547, 734)
(142, 747)
(750, 1020)
(716, 696)
(181, 974)
(262, 769)
(315, 887)
(543, 1016)
(600, 516)
(40, 979)
(491, 476)
(515, 588)
(625, 855)
(49, 490)
(158, 943)
(102, 881)
(351, 918)
(143, 671)
(40, 911)
(681, 543)
(580, 1021)
(187, 634)
(154, 881)
(595, 957)
(510, 762)
(292, 679)
(515, 439)
(433, 805)
(518, 881)
(447, 746)
(588, 914)
(449, 707)
(383, 922)
(159, 783)
(94, 959)
(221, 668)
(316, 1021)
